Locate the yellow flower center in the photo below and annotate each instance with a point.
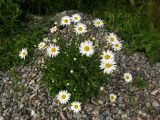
(63, 96)
(98, 23)
(112, 97)
(24, 53)
(127, 77)
(65, 21)
(111, 39)
(75, 18)
(75, 106)
(80, 28)
(107, 65)
(106, 56)
(86, 48)
(53, 49)
(116, 45)
(41, 45)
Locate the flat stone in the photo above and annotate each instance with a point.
(89, 107)
(100, 102)
(124, 116)
(1, 118)
(69, 116)
(77, 116)
(96, 110)
(148, 104)
(154, 92)
(155, 104)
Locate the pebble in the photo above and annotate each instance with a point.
(89, 107)
(1, 118)
(100, 102)
(148, 104)
(96, 110)
(124, 116)
(155, 104)
(155, 92)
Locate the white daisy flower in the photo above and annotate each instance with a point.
(53, 50)
(53, 29)
(76, 107)
(80, 28)
(101, 88)
(86, 48)
(66, 20)
(71, 71)
(98, 23)
(23, 53)
(107, 55)
(117, 45)
(127, 77)
(108, 66)
(111, 38)
(112, 97)
(63, 96)
(42, 45)
(76, 18)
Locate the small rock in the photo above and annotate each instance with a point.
(155, 104)
(148, 104)
(94, 102)
(89, 107)
(69, 116)
(138, 68)
(96, 110)
(1, 118)
(154, 92)
(124, 116)
(62, 116)
(100, 102)
(25, 76)
(140, 112)
(120, 112)
(117, 117)
(139, 118)
(77, 116)
(102, 117)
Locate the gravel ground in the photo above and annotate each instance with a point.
(23, 96)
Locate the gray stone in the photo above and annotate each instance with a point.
(124, 116)
(1, 118)
(154, 92)
(155, 104)
(148, 104)
(78, 116)
(96, 110)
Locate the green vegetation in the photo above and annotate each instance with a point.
(136, 22)
(141, 83)
(25, 37)
(72, 71)
(136, 32)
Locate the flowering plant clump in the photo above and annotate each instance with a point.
(79, 57)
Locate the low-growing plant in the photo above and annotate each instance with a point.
(141, 83)
(80, 75)
(79, 58)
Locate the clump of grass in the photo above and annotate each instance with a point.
(141, 83)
